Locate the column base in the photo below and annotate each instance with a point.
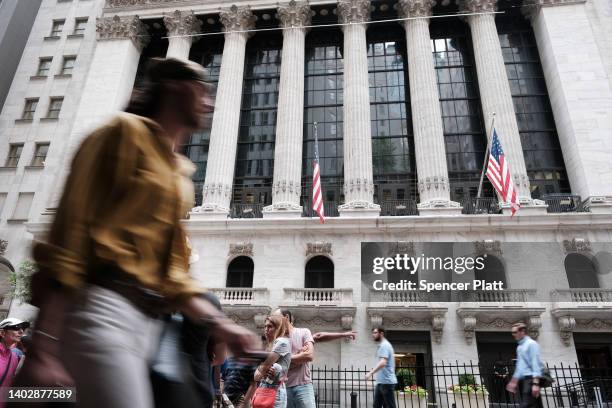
(439, 208)
(282, 210)
(529, 206)
(210, 211)
(599, 204)
(359, 209)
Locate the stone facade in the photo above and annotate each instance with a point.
(578, 74)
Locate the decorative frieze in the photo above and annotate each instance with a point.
(294, 14)
(577, 245)
(477, 318)
(241, 249)
(488, 246)
(318, 248)
(121, 28)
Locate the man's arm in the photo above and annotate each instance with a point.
(322, 337)
(304, 356)
(381, 363)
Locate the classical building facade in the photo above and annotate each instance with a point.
(401, 95)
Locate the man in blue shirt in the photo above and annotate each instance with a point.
(386, 380)
(528, 369)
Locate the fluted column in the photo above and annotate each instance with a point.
(495, 93)
(286, 188)
(429, 146)
(120, 41)
(217, 192)
(358, 179)
(181, 26)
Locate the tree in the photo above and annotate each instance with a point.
(20, 281)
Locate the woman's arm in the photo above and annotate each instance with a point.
(263, 368)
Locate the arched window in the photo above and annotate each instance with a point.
(319, 273)
(493, 270)
(581, 271)
(240, 273)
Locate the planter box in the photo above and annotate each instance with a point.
(410, 401)
(471, 400)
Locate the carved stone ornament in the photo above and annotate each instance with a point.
(358, 185)
(436, 183)
(353, 11)
(182, 23)
(594, 324)
(567, 324)
(478, 6)
(260, 320)
(237, 18)
(294, 14)
(534, 323)
(139, 3)
(220, 189)
(437, 328)
(117, 28)
(403, 247)
(347, 322)
(241, 249)
(469, 326)
(416, 8)
(488, 246)
(579, 245)
(319, 248)
(376, 320)
(3, 245)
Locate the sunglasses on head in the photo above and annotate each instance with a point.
(18, 327)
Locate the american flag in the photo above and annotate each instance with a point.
(498, 172)
(317, 194)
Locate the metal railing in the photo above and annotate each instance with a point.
(582, 295)
(564, 203)
(507, 295)
(482, 205)
(460, 385)
(329, 207)
(318, 296)
(409, 296)
(241, 296)
(246, 210)
(398, 208)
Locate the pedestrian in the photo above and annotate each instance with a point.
(116, 259)
(276, 331)
(11, 331)
(526, 376)
(384, 395)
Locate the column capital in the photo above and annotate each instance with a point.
(182, 23)
(353, 11)
(294, 14)
(237, 18)
(478, 6)
(415, 8)
(116, 28)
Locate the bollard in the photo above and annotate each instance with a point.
(353, 399)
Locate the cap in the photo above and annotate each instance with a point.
(12, 321)
(160, 69)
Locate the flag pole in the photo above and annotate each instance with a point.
(486, 158)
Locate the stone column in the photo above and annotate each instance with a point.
(579, 90)
(108, 86)
(434, 191)
(226, 120)
(286, 189)
(496, 98)
(180, 26)
(358, 178)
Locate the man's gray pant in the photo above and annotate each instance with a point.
(107, 347)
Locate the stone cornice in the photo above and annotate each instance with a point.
(237, 18)
(294, 14)
(118, 28)
(416, 8)
(353, 11)
(532, 9)
(182, 23)
(478, 6)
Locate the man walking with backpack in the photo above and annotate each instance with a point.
(528, 371)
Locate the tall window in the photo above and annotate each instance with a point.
(55, 106)
(68, 65)
(255, 156)
(493, 270)
(44, 64)
(319, 273)
(14, 154)
(392, 142)
(40, 154)
(207, 53)
(581, 271)
(57, 27)
(22, 208)
(240, 273)
(29, 108)
(462, 121)
(2, 201)
(323, 97)
(80, 24)
(543, 157)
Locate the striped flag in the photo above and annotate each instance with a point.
(317, 193)
(498, 172)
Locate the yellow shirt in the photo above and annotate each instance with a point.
(122, 206)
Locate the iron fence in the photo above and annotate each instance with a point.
(564, 203)
(456, 385)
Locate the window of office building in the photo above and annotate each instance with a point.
(539, 139)
(80, 24)
(323, 98)
(255, 153)
(68, 65)
(14, 154)
(29, 109)
(57, 27)
(392, 141)
(22, 208)
(40, 154)
(44, 64)
(55, 106)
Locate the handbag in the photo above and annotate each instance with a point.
(264, 397)
(546, 379)
(171, 362)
